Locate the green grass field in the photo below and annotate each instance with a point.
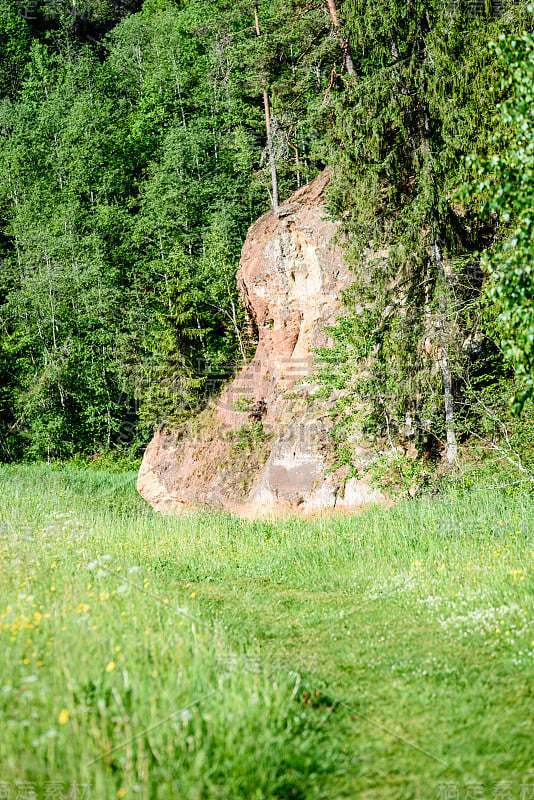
(384, 655)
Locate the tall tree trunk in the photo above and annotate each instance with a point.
(337, 25)
(4, 445)
(441, 284)
(448, 395)
(295, 147)
(270, 144)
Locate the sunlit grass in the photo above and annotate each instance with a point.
(107, 678)
(379, 655)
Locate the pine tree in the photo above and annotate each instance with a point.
(423, 90)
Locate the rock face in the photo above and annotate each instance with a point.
(261, 446)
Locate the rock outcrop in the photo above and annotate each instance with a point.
(262, 445)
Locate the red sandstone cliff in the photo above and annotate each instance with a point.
(291, 275)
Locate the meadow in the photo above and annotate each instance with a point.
(388, 654)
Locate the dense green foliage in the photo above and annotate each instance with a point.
(507, 186)
(130, 171)
(419, 333)
(104, 216)
(134, 156)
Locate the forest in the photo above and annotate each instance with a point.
(246, 644)
(140, 142)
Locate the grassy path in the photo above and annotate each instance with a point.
(418, 707)
(386, 656)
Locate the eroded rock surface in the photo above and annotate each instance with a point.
(291, 276)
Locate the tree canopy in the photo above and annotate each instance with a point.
(135, 154)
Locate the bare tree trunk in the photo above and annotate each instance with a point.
(448, 396)
(270, 145)
(109, 403)
(5, 446)
(51, 298)
(442, 290)
(178, 89)
(201, 337)
(295, 147)
(337, 25)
